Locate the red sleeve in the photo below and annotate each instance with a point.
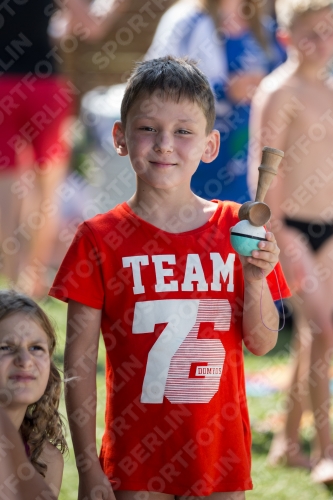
(79, 277)
(277, 283)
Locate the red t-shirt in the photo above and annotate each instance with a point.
(176, 412)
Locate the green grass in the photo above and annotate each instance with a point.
(269, 483)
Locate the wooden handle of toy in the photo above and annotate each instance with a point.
(270, 161)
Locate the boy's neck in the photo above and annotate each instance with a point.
(161, 204)
(311, 72)
(164, 208)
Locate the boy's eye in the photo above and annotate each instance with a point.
(147, 129)
(183, 132)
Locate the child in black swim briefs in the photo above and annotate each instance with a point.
(292, 112)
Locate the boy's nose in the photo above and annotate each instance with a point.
(163, 143)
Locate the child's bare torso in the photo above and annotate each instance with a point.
(308, 167)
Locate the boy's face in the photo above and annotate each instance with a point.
(312, 36)
(165, 141)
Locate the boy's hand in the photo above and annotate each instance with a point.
(94, 485)
(262, 261)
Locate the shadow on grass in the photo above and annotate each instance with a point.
(261, 442)
(330, 489)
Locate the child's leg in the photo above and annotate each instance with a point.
(319, 384)
(318, 307)
(43, 229)
(321, 354)
(298, 397)
(228, 495)
(142, 495)
(150, 495)
(10, 206)
(232, 495)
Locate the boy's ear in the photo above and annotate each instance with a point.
(118, 134)
(283, 36)
(212, 147)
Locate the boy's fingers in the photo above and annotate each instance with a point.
(270, 244)
(267, 254)
(263, 264)
(269, 236)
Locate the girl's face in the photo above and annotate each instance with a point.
(24, 360)
(229, 7)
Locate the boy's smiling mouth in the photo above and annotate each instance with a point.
(162, 164)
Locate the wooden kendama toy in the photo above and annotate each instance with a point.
(253, 215)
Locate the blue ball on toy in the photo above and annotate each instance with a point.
(245, 237)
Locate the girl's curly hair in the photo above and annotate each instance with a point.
(42, 421)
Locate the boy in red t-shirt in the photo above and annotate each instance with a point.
(159, 277)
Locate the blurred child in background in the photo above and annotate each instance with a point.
(35, 140)
(293, 111)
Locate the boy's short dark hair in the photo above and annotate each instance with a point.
(176, 78)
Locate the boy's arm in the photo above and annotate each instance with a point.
(260, 316)
(83, 329)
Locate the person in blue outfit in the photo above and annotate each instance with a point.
(235, 45)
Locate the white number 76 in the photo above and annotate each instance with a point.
(180, 366)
